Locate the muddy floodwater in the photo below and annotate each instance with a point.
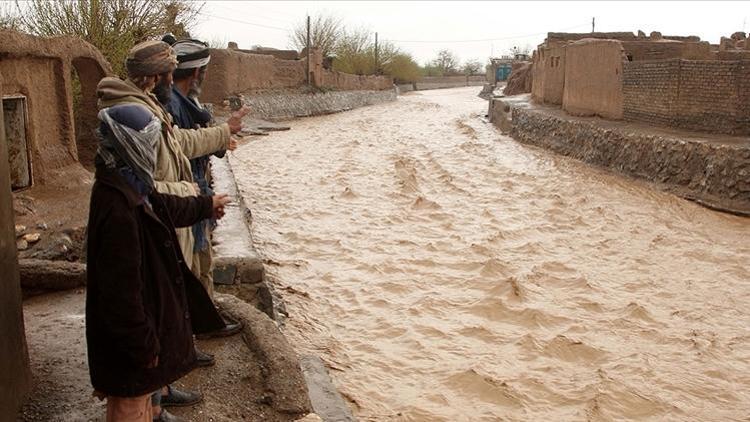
(445, 272)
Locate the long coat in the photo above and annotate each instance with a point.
(142, 301)
(177, 146)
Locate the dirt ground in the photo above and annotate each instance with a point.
(55, 325)
(58, 213)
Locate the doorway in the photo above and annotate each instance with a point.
(15, 117)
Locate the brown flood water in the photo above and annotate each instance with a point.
(446, 272)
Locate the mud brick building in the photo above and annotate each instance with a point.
(672, 81)
(49, 98)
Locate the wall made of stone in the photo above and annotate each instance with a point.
(715, 174)
(708, 96)
(593, 79)
(440, 82)
(347, 82)
(288, 105)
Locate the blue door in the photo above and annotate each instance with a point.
(502, 72)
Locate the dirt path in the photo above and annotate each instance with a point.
(445, 272)
(55, 332)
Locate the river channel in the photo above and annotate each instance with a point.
(445, 272)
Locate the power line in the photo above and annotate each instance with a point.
(486, 39)
(243, 22)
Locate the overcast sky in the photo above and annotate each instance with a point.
(423, 28)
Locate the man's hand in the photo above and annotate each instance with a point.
(235, 120)
(219, 201)
(232, 144)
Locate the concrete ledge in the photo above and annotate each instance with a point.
(235, 258)
(282, 375)
(711, 170)
(326, 400)
(41, 275)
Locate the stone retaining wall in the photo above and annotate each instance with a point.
(440, 82)
(715, 174)
(288, 105)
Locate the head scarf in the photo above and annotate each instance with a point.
(191, 54)
(150, 58)
(129, 137)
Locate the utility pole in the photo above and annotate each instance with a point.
(377, 63)
(308, 50)
(593, 24)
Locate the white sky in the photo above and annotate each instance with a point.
(507, 23)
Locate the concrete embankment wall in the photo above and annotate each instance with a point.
(288, 105)
(716, 174)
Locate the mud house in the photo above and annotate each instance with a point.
(679, 82)
(49, 100)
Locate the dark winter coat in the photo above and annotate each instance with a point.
(141, 300)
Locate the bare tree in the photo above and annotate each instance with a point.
(325, 30)
(446, 62)
(472, 67)
(355, 52)
(113, 26)
(9, 19)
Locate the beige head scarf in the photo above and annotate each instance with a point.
(150, 58)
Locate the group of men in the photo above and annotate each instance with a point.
(152, 211)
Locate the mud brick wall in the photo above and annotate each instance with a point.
(703, 95)
(650, 91)
(234, 71)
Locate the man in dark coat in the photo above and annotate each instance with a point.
(142, 302)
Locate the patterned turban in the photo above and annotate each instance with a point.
(150, 58)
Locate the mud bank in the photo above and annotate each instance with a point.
(711, 170)
(288, 105)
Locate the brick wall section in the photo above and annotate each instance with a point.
(650, 90)
(703, 95)
(707, 98)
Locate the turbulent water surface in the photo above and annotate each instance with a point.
(446, 272)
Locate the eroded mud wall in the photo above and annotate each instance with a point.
(593, 78)
(233, 72)
(58, 78)
(50, 131)
(14, 359)
(554, 79)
